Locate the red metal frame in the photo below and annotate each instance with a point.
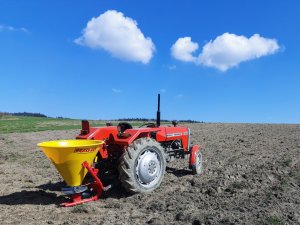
(96, 186)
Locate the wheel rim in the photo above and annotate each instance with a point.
(148, 168)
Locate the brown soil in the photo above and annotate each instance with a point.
(252, 176)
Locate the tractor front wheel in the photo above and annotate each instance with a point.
(197, 167)
(142, 166)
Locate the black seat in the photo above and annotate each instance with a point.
(124, 126)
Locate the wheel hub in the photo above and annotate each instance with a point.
(148, 168)
(152, 167)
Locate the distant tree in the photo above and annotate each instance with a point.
(2, 114)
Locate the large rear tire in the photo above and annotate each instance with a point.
(142, 166)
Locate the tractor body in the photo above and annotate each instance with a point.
(138, 156)
(175, 140)
(134, 157)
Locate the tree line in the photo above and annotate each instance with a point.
(149, 120)
(22, 114)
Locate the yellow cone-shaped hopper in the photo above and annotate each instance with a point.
(68, 156)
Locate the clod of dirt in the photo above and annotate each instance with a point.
(155, 221)
(156, 206)
(180, 216)
(79, 209)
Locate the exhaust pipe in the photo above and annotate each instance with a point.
(158, 112)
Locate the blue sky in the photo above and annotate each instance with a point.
(53, 62)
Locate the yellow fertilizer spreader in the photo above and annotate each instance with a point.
(73, 159)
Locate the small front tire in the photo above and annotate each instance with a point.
(197, 168)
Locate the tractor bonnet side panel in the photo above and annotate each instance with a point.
(174, 133)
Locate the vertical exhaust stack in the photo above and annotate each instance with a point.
(158, 112)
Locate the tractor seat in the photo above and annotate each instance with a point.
(124, 126)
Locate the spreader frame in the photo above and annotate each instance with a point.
(96, 186)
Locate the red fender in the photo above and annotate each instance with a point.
(193, 152)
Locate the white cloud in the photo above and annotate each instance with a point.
(229, 50)
(114, 90)
(119, 35)
(12, 29)
(183, 49)
(23, 29)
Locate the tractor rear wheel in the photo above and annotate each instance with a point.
(142, 166)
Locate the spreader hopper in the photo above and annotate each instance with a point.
(68, 157)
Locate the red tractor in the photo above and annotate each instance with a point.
(140, 154)
(136, 157)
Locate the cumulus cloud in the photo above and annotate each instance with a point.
(183, 49)
(226, 51)
(118, 35)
